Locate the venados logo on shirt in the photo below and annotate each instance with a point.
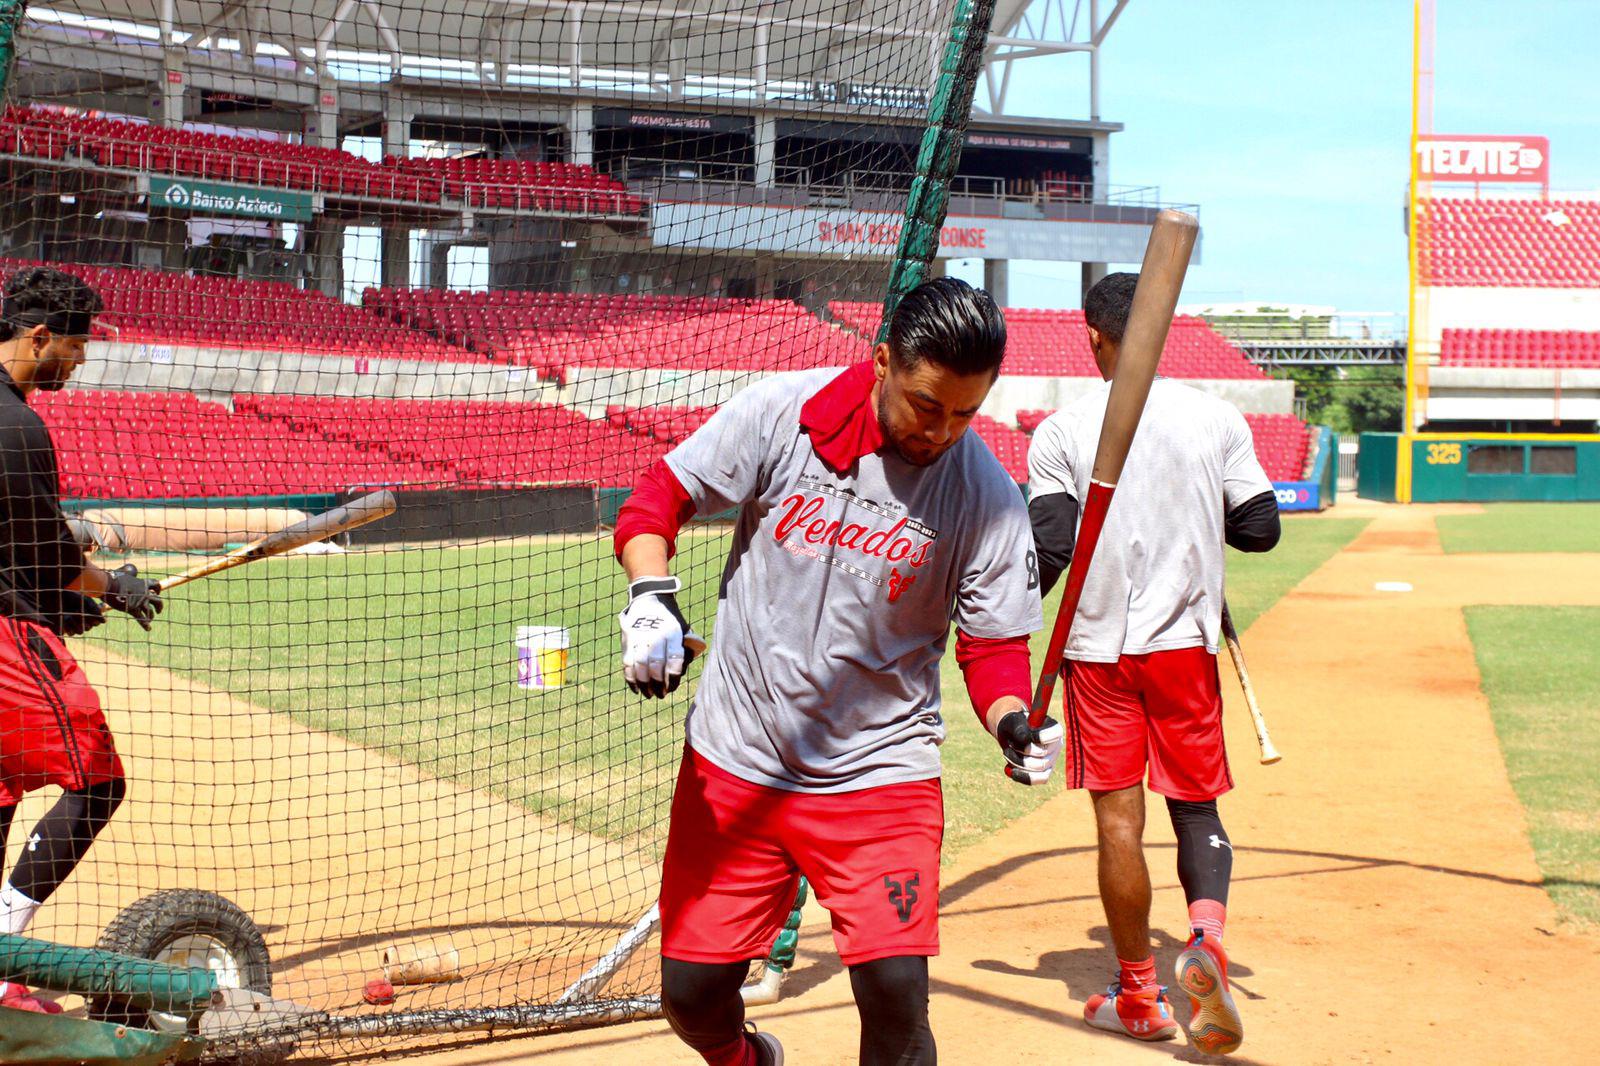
(905, 541)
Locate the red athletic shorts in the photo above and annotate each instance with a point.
(51, 728)
(735, 851)
(1162, 710)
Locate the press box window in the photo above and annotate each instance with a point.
(1562, 459)
(1495, 459)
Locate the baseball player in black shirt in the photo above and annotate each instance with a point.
(52, 731)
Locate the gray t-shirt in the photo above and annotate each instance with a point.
(1156, 580)
(839, 591)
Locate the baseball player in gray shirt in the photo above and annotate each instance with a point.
(868, 520)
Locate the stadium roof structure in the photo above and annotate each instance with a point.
(685, 50)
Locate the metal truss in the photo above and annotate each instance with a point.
(1331, 351)
(1046, 28)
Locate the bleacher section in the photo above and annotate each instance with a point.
(525, 184)
(112, 142)
(160, 307)
(1283, 442)
(1509, 243)
(274, 445)
(1520, 348)
(555, 332)
(1045, 343)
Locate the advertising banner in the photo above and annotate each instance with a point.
(814, 231)
(1298, 495)
(1480, 158)
(213, 197)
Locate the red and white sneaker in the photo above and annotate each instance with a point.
(17, 997)
(1143, 1015)
(1214, 1023)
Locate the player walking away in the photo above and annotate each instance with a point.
(51, 728)
(1141, 688)
(868, 519)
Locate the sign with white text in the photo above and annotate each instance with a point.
(1475, 158)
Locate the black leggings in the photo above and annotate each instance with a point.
(1205, 854)
(62, 837)
(703, 1007)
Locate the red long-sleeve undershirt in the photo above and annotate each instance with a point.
(994, 668)
(658, 504)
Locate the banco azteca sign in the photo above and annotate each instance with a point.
(215, 198)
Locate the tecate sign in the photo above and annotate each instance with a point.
(1442, 157)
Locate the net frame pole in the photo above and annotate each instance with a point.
(11, 15)
(949, 109)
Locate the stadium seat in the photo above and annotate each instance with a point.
(1044, 343)
(160, 307)
(1505, 243)
(1520, 348)
(553, 332)
(172, 445)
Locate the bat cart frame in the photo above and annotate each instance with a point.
(178, 976)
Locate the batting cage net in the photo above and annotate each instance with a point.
(492, 258)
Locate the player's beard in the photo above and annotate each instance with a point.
(53, 375)
(894, 442)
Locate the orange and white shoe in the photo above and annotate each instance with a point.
(1142, 1015)
(16, 997)
(1214, 1023)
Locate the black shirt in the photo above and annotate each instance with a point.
(39, 556)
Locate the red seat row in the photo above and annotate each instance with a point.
(1282, 442)
(126, 445)
(270, 161)
(162, 307)
(1048, 343)
(1523, 348)
(557, 331)
(1503, 243)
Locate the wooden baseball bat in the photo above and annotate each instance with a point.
(1166, 260)
(358, 512)
(1269, 751)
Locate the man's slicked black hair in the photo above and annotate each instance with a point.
(35, 294)
(950, 324)
(1106, 305)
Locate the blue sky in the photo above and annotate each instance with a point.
(1287, 122)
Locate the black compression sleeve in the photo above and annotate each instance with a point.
(1055, 530)
(1253, 526)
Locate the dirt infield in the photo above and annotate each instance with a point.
(334, 850)
(1386, 905)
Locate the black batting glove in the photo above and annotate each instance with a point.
(1030, 753)
(134, 595)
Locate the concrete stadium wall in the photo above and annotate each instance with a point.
(591, 390)
(218, 373)
(1495, 394)
(1473, 308)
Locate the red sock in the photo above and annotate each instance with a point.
(1138, 976)
(1208, 916)
(737, 1052)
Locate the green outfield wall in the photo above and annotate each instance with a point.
(1441, 467)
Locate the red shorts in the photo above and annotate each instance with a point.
(51, 728)
(1162, 710)
(735, 851)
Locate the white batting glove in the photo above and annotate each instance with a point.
(657, 644)
(1030, 753)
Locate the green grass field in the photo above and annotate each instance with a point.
(1523, 527)
(1542, 679)
(411, 652)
